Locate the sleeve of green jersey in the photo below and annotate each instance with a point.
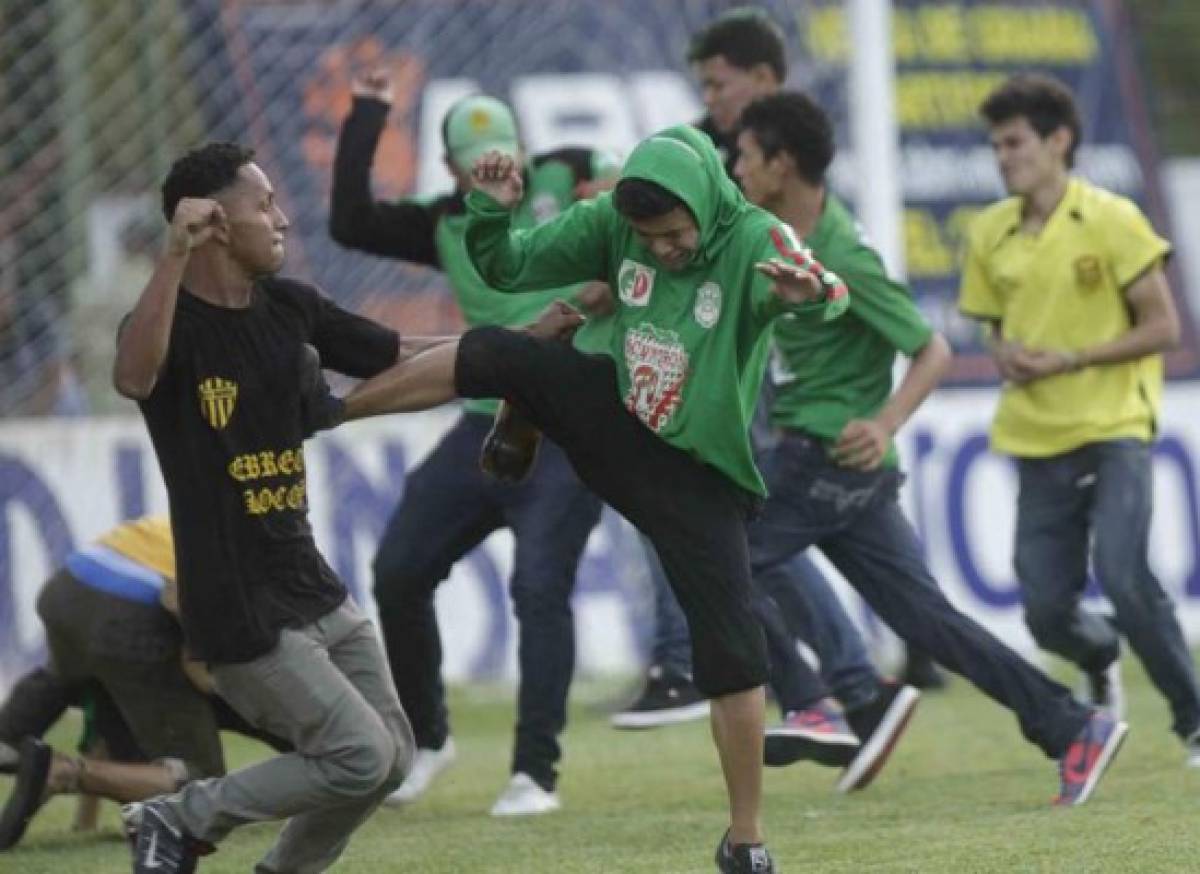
(885, 305)
(1132, 246)
(570, 248)
(782, 244)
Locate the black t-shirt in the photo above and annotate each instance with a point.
(225, 421)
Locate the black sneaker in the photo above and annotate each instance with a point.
(28, 791)
(743, 858)
(666, 699)
(161, 847)
(879, 726)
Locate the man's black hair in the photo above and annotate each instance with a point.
(643, 199)
(1043, 100)
(745, 37)
(203, 172)
(792, 122)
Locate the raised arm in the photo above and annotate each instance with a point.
(570, 248)
(403, 229)
(144, 338)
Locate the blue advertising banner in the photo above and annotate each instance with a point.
(949, 56)
(610, 73)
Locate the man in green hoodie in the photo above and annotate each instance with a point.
(657, 424)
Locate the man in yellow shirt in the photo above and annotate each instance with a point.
(1068, 279)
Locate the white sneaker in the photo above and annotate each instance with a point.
(1104, 691)
(427, 764)
(524, 797)
(1193, 749)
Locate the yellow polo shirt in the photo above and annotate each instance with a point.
(1063, 288)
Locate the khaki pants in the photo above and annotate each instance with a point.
(327, 689)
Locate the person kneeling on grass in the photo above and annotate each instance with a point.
(110, 615)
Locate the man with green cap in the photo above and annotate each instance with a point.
(657, 423)
(449, 504)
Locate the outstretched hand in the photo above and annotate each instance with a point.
(559, 321)
(791, 282)
(499, 176)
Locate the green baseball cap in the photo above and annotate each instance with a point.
(476, 125)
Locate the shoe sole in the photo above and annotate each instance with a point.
(659, 718)
(1111, 747)
(783, 746)
(878, 748)
(33, 769)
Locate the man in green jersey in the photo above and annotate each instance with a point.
(449, 505)
(657, 424)
(834, 476)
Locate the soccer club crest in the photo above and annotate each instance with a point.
(1088, 271)
(708, 304)
(634, 283)
(217, 400)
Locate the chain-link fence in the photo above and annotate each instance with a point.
(98, 96)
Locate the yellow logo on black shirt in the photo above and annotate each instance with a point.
(217, 399)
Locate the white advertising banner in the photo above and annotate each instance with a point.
(63, 482)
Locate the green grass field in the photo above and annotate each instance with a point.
(963, 793)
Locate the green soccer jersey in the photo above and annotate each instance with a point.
(826, 375)
(549, 189)
(690, 345)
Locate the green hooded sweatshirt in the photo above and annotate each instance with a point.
(691, 344)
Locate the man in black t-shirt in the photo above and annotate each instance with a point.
(213, 354)
(450, 505)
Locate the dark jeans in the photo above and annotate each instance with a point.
(449, 506)
(694, 515)
(1098, 498)
(855, 519)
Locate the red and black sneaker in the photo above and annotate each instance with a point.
(817, 734)
(1088, 757)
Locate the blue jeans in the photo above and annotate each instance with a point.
(855, 519)
(1098, 498)
(449, 506)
